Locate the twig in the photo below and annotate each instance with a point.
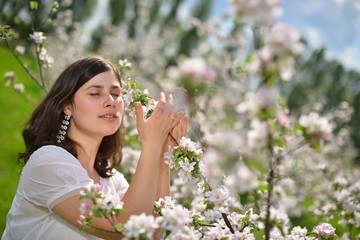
(281, 156)
(22, 64)
(37, 50)
(270, 179)
(174, 139)
(227, 222)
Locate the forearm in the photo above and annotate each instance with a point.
(163, 180)
(141, 194)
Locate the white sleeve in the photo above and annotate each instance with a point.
(51, 175)
(121, 184)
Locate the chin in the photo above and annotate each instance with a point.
(110, 132)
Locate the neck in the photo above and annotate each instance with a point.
(86, 155)
(86, 148)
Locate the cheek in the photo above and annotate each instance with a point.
(85, 107)
(120, 104)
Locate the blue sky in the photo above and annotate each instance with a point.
(334, 24)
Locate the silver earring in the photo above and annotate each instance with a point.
(63, 128)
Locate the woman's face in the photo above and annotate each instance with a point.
(97, 109)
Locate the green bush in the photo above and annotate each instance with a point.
(15, 110)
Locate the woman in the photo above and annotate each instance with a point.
(74, 138)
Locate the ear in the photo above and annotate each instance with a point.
(68, 109)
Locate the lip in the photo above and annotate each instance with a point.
(109, 116)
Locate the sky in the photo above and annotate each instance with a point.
(333, 24)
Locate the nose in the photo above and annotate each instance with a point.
(110, 101)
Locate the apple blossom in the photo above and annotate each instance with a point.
(38, 37)
(140, 227)
(325, 230)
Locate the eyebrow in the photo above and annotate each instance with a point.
(101, 87)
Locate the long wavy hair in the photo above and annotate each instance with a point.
(44, 124)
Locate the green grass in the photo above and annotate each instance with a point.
(15, 110)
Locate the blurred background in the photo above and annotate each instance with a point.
(156, 34)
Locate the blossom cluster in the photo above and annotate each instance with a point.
(193, 69)
(97, 204)
(185, 158)
(134, 93)
(246, 130)
(45, 59)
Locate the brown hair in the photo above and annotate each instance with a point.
(44, 124)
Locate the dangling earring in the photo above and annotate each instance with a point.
(64, 126)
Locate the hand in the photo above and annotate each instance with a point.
(156, 128)
(178, 129)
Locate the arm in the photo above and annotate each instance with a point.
(177, 132)
(141, 194)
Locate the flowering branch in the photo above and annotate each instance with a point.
(96, 204)
(42, 58)
(23, 65)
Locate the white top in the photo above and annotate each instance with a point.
(50, 176)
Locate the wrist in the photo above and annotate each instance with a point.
(152, 146)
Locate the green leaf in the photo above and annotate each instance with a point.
(119, 227)
(33, 5)
(279, 142)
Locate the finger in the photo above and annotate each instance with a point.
(176, 118)
(160, 106)
(162, 97)
(139, 114)
(184, 123)
(170, 104)
(171, 99)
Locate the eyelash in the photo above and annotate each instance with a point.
(97, 94)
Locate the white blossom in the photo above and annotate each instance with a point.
(38, 37)
(139, 226)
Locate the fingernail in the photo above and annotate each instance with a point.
(136, 105)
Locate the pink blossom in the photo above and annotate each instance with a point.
(267, 96)
(84, 207)
(165, 202)
(325, 230)
(283, 119)
(316, 125)
(81, 219)
(9, 74)
(283, 38)
(197, 69)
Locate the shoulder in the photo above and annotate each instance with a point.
(51, 153)
(50, 161)
(49, 149)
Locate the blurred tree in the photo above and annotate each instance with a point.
(17, 14)
(129, 12)
(324, 83)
